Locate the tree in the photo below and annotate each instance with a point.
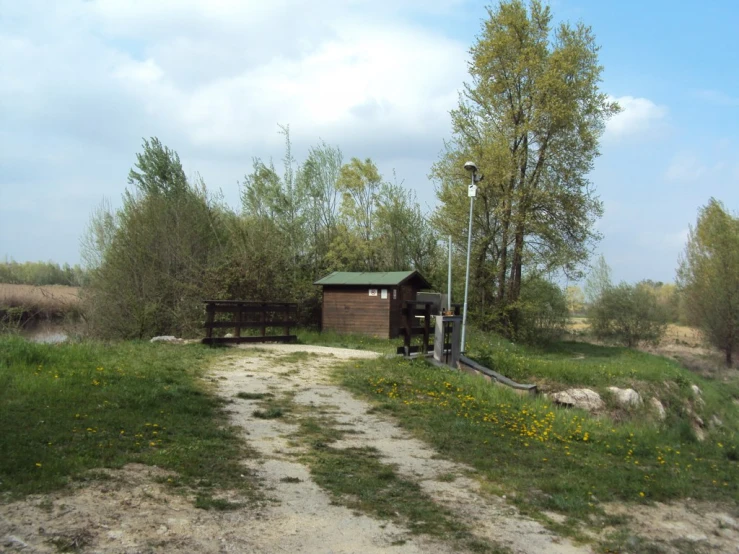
(543, 307)
(628, 314)
(708, 277)
(598, 280)
(575, 299)
(152, 260)
(531, 119)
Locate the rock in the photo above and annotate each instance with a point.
(716, 421)
(727, 522)
(626, 397)
(585, 399)
(169, 339)
(228, 336)
(659, 408)
(700, 435)
(696, 390)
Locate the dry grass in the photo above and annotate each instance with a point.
(682, 334)
(675, 334)
(48, 298)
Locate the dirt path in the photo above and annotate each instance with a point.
(305, 510)
(132, 511)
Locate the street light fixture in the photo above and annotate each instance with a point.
(471, 192)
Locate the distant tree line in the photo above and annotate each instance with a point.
(41, 273)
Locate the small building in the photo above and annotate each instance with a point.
(368, 303)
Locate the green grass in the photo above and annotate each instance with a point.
(69, 408)
(355, 342)
(360, 480)
(578, 364)
(297, 357)
(554, 459)
(253, 395)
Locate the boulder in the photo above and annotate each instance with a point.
(626, 397)
(658, 408)
(696, 390)
(584, 399)
(715, 421)
(168, 338)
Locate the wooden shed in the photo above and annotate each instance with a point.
(368, 303)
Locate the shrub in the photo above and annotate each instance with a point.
(542, 311)
(628, 314)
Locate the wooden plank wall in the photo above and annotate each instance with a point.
(353, 310)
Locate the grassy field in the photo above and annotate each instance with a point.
(552, 458)
(68, 408)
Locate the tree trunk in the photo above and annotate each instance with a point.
(729, 352)
(505, 224)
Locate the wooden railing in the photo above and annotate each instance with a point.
(250, 315)
(413, 311)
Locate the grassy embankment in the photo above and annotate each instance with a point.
(552, 458)
(68, 408)
(22, 305)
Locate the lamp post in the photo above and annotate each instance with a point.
(471, 192)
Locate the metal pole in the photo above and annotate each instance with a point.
(449, 279)
(467, 274)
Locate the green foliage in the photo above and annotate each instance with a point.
(172, 244)
(708, 277)
(542, 311)
(628, 314)
(531, 119)
(68, 408)
(158, 254)
(41, 273)
(575, 300)
(598, 280)
(668, 298)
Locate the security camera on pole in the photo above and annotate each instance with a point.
(471, 192)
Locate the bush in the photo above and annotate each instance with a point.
(628, 314)
(542, 311)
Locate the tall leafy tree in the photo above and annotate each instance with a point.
(598, 280)
(360, 183)
(152, 259)
(531, 118)
(708, 277)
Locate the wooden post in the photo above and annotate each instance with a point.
(426, 328)
(408, 327)
(263, 319)
(237, 321)
(209, 315)
(287, 320)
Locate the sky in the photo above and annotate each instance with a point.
(82, 82)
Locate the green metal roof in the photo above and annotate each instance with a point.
(379, 278)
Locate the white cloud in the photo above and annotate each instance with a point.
(80, 85)
(637, 116)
